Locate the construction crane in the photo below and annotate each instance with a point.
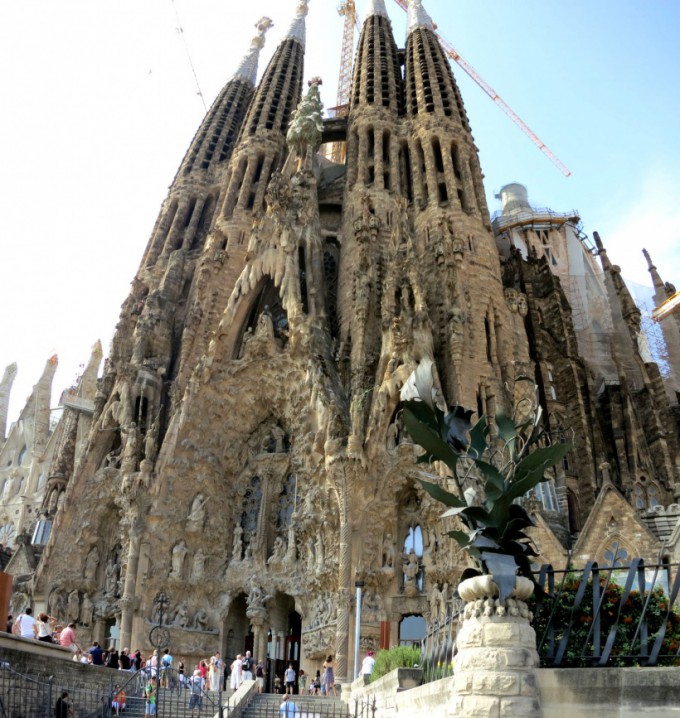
(467, 67)
(349, 11)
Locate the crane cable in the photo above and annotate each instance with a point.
(180, 31)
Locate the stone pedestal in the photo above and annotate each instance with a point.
(495, 665)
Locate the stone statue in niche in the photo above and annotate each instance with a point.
(265, 326)
(87, 611)
(198, 566)
(256, 598)
(179, 553)
(320, 553)
(388, 553)
(150, 442)
(201, 620)
(279, 552)
(438, 601)
(112, 576)
(91, 564)
(237, 551)
(411, 570)
(73, 606)
(197, 513)
(274, 442)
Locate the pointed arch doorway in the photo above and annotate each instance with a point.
(284, 641)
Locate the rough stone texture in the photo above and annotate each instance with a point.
(246, 453)
(495, 666)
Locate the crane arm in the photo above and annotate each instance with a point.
(467, 67)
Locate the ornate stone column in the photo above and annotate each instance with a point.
(495, 665)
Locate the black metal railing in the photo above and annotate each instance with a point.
(36, 696)
(438, 646)
(616, 615)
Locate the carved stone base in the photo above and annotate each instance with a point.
(495, 665)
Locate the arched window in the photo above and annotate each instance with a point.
(653, 496)
(22, 456)
(639, 498)
(616, 555)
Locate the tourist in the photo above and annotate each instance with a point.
(63, 708)
(137, 660)
(316, 684)
(303, 682)
(288, 708)
(67, 637)
(289, 677)
(44, 626)
(247, 667)
(166, 667)
(259, 676)
(180, 672)
(10, 623)
(24, 626)
(119, 700)
(236, 672)
(329, 677)
(196, 684)
(367, 666)
(112, 660)
(97, 654)
(150, 693)
(125, 660)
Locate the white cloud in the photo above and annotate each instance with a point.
(652, 222)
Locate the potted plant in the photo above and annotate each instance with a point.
(507, 465)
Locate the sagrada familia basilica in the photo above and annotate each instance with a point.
(242, 449)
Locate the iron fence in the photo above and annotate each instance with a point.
(615, 615)
(438, 646)
(35, 696)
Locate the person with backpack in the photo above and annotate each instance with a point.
(196, 692)
(166, 665)
(247, 667)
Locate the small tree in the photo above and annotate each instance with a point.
(509, 466)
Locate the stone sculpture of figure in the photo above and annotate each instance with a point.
(197, 512)
(150, 443)
(181, 617)
(87, 611)
(198, 566)
(411, 567)
(237, 551)
(311, 556)
(256, 598)
(73, 612)
(112, 572)
(201, 620)
(279, 552)
(91, 564)
(265, 326)
(388, 553)
(436, 601)
(179, 553)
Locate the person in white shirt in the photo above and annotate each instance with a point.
(24, 626)
(367, 666)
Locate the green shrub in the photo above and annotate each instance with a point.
(397, 657)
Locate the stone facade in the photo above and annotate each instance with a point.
(246, 453)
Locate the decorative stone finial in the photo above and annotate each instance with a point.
(306, 126)
(376, 7)
(247, 70)
(297, 27)
(418, 16)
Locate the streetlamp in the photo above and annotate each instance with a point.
(357, 631)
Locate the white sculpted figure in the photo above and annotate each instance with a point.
(179, 553)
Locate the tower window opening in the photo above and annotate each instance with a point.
(406, 180)
(370, 149)
(487, 332)
(303, 280)
(330, 266)
(189, 212)
(438, 159)
(443, 194)
(455, 159)
(461, 199)
(386, 147)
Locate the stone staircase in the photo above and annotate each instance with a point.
(266, 705)
(173, 704)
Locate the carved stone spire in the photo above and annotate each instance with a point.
(418, 16)
(5, 389)
(376, 7)
(297, 30)
(247, 70)
(656, 277)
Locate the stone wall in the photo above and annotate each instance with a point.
(573, 692)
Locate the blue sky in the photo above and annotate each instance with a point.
(99, 105)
